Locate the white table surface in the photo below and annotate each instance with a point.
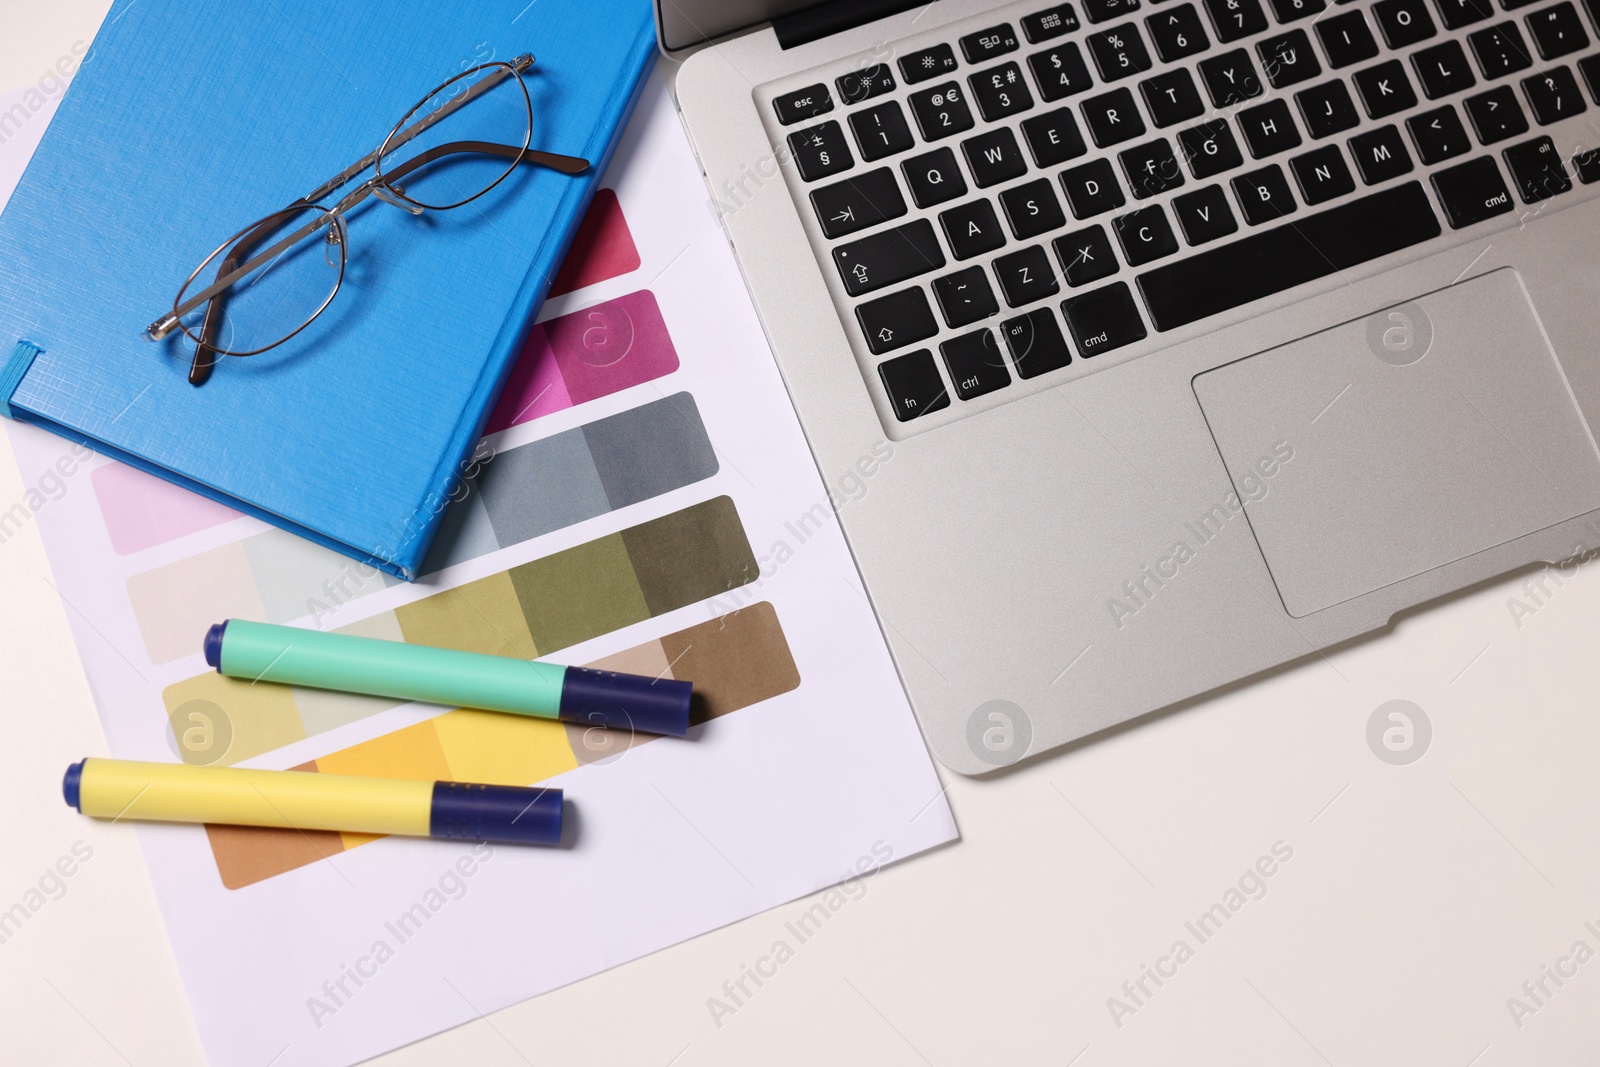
(1418, 898)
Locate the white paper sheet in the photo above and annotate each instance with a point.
(769, 803)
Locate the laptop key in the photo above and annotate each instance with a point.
(1026, 276)
(1288, 59)
(965, 297)
(1587, 164)
(1438, 135)
(1112, 118)
(857, 86)
(1289, 10)
(1102, 320)
(1049, 23)
(1327, 109)
(820, 151)
(928, 63)
(1536, 169)
(1458, 13)
(1557, 31)
(1234, 19)
(993, 157)
(972, 229)
(1384, 89)
(934, 178)
(1380, 155)
(1151, 168)
(941, 111)
(800, 104)
(975, 364)
(1085, 256)
(1106, 10)
(881, 131)
(1001, 92)
(1263, 195)
(914, 386)
(1230, 78)
(888, 257)
(1322, 175)
(1204, 215)
(1346, 39)
(1145, 235)
(1053, 137)
(1092, 188)
(1403, 23)
(896, 320)
(1496, 115)
(1589, 67)
(1209, 148)
(1032, 209)
(1177, 33)
(856, 203)
(1035, 342)
(1060, 72)
(1471, 192)
(1230, 275)
(1269, 129)
(1553, 95)
(988, 44)
(1442, 70)
(1119, 52)
(1499, 50)
(1171, 97)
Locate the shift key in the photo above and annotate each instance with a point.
(888, 257)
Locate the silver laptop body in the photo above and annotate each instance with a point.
(1095, 459)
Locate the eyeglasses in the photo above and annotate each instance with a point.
(275, 276)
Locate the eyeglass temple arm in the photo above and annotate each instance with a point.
(205, 355)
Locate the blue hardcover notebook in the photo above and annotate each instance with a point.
(190, 120)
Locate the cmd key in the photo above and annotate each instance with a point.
(888, 257)
(1472, 191)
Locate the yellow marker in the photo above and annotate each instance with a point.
(175, 792)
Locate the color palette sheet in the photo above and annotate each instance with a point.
(515, 496)
(602, 248)
(822, 767)
(734, 661)
(532, 610)
(585, 355)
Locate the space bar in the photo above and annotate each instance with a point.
(1302, 250)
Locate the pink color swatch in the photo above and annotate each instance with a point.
(142, 511)
(575, 358)
(602, 248)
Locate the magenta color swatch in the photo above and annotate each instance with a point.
(575, 358)
(142, 511)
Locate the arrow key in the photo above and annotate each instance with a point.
(896, 320)
(856, 203)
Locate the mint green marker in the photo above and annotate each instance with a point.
(262, 652)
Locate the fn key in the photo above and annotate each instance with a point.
(914, 385)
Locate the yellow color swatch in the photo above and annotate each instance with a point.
(489, 748)
(220, 720)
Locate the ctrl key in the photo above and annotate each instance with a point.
(1102, 320)
(914, 385)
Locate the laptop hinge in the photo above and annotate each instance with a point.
(833, 16)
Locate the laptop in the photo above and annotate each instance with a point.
(1149, 346)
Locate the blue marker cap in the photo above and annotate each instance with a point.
(70, 784)
(625, 701)
(530, 816)
(213, 645)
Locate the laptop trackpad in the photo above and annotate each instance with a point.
(1421, 434)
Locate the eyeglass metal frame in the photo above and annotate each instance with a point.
(384, 185)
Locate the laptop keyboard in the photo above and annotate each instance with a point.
(1017, 199)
